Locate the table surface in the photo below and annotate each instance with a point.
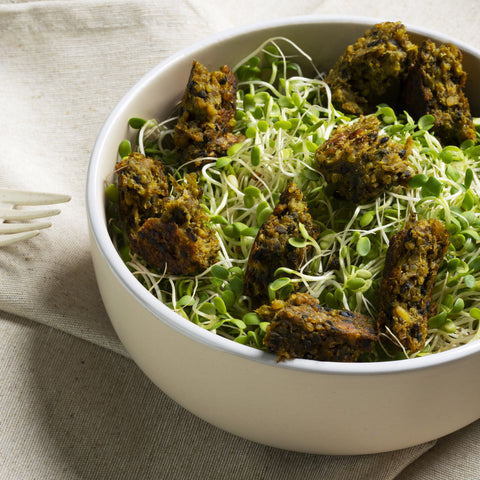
(72, 403)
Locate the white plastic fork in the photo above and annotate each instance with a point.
(15, 232)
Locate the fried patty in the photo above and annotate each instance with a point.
(435, 85)
(142, 185)
(271, 248)
(301, 328)
(371, 70)
(412, 261)
(206, 113)
(361, 163)
(179, 241)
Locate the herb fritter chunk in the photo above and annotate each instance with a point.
(413, 258)
(301, 328)
(180, 240)
(208, 107)
(435, 85)
(371, 70)
(361, 163)
(142, 185)
(271, 248)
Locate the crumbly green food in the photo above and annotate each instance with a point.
(178, 240)
(207, 109)
(361, 163)
(371, 70)
(300, 327)
(272, 250)
(283, 117)
(412, 261)
(142, 186)
(435, 85)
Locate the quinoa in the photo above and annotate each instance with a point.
(371, 70)
(361, 163)
(435, 85)
(206, 114)
(142, 185)
(271, 248)
(179, 241)
(301, 328)
(412, 261)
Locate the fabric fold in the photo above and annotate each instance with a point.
(65, 64)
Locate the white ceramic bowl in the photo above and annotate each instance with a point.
(302, 405)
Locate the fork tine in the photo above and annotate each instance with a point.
(23, 197)
(16, 237)
(12, 214)
(22, 227)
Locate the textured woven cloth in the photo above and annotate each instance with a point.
(72, 404)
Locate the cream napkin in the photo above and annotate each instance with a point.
(63, 67)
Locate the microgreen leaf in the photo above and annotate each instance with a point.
(426, 122)
(417, 180)
(219, 271)
(279, 283)
(125, 148)
(297, 242)
(136, 122)
(222, 162)
(363, 246)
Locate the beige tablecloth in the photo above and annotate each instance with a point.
(72, 404)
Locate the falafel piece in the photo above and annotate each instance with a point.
(142, 186)
(371, 70)
(301, 328)
(435, 85)
(179, 241)
(361, 163)
(206, 112)
(271, 248)
(412, 261)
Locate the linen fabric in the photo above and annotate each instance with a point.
(72, 403)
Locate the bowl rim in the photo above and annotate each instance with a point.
(99, 233)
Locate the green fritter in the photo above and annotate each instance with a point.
(142, 186)
(435, 85)
(180, 240)
(412, 261)
(204, 127)
(271, 248)
(301, 328)
(371, 71)
(361, 163)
